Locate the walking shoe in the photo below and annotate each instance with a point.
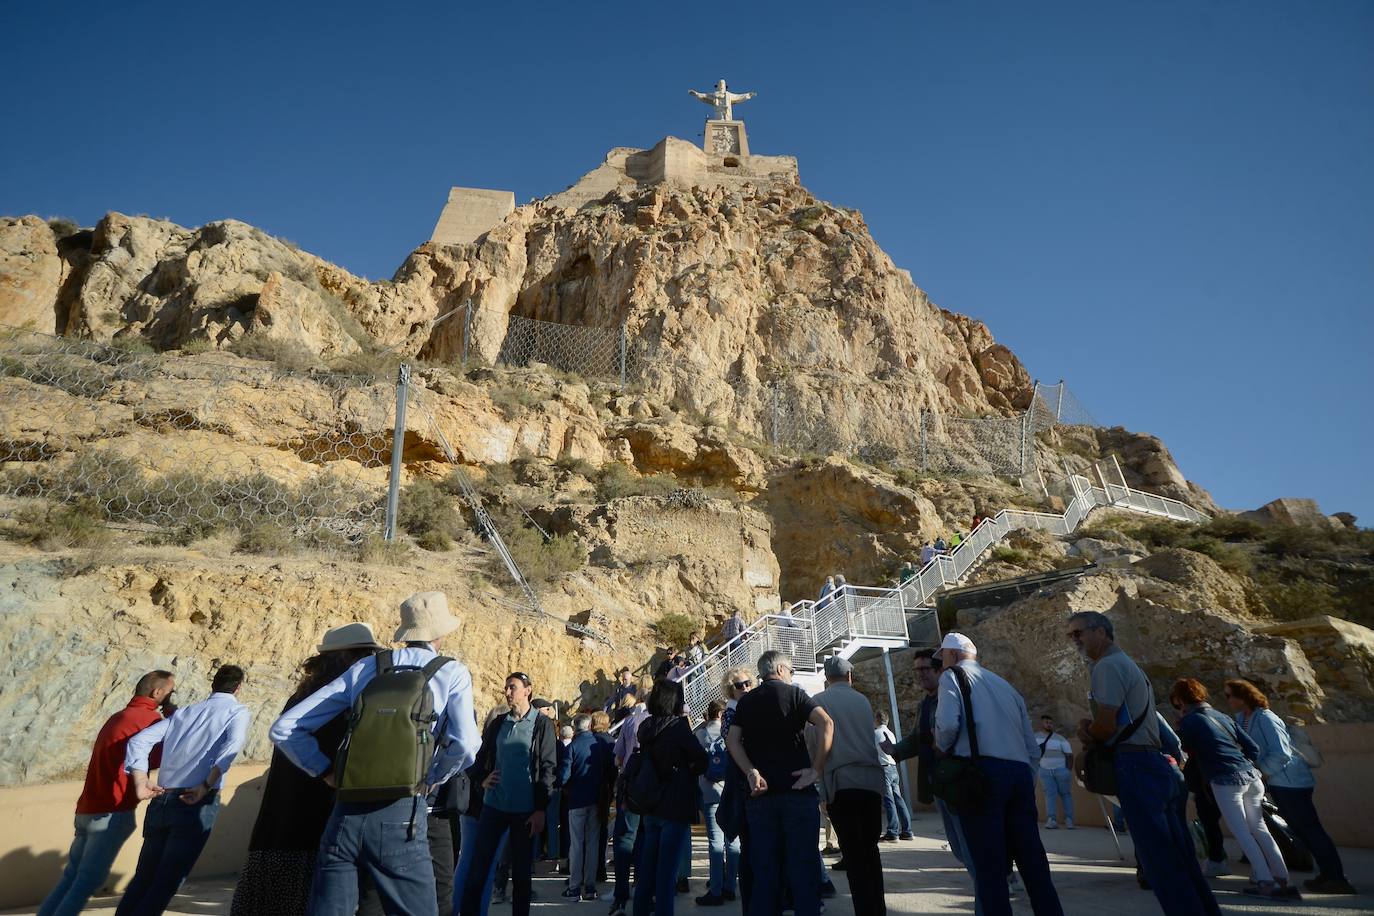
(682, 886)
(590, 894)
(830, 850)
(573, 893)
(888, 838)
(906, 836)
(839, 866)
(1288, 891)
(710, 900)
(828, 890)
(1068, 824)
(1261, 889)
(1051, 824)
(1216, 869)
(728, 894)
(1324, 885)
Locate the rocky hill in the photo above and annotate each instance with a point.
(194, 471)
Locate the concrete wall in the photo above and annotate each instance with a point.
(36, 830)
(470, 213)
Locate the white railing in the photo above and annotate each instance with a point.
(856, 612)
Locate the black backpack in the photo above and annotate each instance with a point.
(389, 746)
(644, 786)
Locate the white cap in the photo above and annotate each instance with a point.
(959, 641)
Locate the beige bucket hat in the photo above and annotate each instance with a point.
(424, 617)
(348, 636)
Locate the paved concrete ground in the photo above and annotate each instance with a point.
(922, 878)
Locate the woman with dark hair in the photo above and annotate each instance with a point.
(1226, 755)
(667, 744)
(1290, 783)
(276, 876)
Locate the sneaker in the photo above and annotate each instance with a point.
(1216, 869)
(1068, 824)
(682, 886)
(830, 850)
(1288, 892)
(710, 900)
(906, 836)
(888, 838)
(1051, 824)
(1324, 885)
(590, 894)
(1261, 889)
(828, 890)
(573, 893)
(839, 866)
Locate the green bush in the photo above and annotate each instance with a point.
(616, 480)
(675, 630)
(376, 550)
(513, 400)
(197, 346)
(1301, 541)
(542, 560)
(1234, 528)
(62, 227)
(498, 476)
(579, 466)
(427, 514)
(1297, 598)
(268, 538)
(55, 528)
(1013, 555)
(289, 355)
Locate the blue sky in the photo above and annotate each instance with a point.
(1169, 204)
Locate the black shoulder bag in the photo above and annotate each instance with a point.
(1097, 765)
(958, 781)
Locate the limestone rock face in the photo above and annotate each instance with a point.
(1294, 513)
(884, 524)
(30, 274)
(1198, 574)
(1342, 655)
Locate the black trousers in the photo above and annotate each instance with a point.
(857, 816)
(440, 835)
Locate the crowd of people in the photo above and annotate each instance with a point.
(383, 795)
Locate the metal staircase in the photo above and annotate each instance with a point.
(857, 621)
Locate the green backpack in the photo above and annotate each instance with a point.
(389, 746)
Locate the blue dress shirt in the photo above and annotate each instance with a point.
(999, 713)
(195, 740)
(451, 687)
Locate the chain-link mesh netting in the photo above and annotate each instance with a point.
(586, 351)
(939, 443)
(192, 443)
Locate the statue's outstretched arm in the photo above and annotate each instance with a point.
(702, 96)
(742, 96)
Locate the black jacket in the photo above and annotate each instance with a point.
(668, 743)
(543, 757)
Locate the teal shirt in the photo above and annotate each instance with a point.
(515, 792)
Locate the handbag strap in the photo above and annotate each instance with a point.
(962, 679)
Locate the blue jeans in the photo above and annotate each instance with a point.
(1005, 829)
(174, 833)
(723, 858)
(390, 840)
(1149, 789)
(656, 869)
(492, 828)
(1058, 788)
(1295, 805)
(957, 848)
(782, 847)
(549, 844)
(467, 834)
(625, 842)
(896, 812)
(98, 840)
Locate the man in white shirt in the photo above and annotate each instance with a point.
(895, 810)
(199, 743)
(1056, 773)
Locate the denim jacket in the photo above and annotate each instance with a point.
(1281, 766)
(1222, 750)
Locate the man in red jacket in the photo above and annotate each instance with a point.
(105, 810)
